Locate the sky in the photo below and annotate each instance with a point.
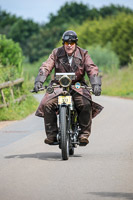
(39, 10)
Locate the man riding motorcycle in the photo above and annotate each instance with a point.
(69, 58)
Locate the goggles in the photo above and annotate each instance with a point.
(69, 37)
(71, 43)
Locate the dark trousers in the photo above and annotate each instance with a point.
(84, 110)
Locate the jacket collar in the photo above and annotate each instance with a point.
(61, 52)
(77, 53)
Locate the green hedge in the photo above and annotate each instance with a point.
(10, 59)
(10, 52)
(104, 57)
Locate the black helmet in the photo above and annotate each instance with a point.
(69, 36)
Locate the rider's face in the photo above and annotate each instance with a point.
(69, 47)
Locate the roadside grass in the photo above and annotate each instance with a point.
(17, 111)
(31, 70)
(118, 83)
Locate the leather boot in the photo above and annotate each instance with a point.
(50, 140)
(83, 140)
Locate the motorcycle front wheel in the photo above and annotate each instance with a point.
(64, 133)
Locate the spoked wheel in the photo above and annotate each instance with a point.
(64, 134)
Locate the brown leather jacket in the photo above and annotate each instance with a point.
(81, 63)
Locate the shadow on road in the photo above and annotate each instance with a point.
(50, 156)
(118, 195)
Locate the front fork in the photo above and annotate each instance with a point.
(72, 126)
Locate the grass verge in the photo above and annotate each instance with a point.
(19, 111)
(118, 83)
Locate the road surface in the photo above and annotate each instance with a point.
(103, 170)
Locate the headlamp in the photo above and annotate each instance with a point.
(65, 81)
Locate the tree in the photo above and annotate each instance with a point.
(11, 58)
(10, 52)
(21, 31)
(113, 10)
(37, 40)
(116, 30)
(121, 36)
(6, 21)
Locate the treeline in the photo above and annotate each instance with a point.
(114, 32)
(94, 26)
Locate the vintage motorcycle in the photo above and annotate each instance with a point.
(67, 118)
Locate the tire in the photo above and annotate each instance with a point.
(64, 134)
(71, 151)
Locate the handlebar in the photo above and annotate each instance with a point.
(58, 86)
(40, 89)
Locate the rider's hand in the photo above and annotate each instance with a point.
(96, 90)
(37, 86)
(96, 84)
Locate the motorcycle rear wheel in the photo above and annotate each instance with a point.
(64, 134)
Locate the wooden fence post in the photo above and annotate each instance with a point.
(10, 84)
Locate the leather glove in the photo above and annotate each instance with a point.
(39, 82)
(96, 90)
(37, 86)
(96, 84)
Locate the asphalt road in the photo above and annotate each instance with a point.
(103, 170)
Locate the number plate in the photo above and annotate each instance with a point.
(64, 99)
